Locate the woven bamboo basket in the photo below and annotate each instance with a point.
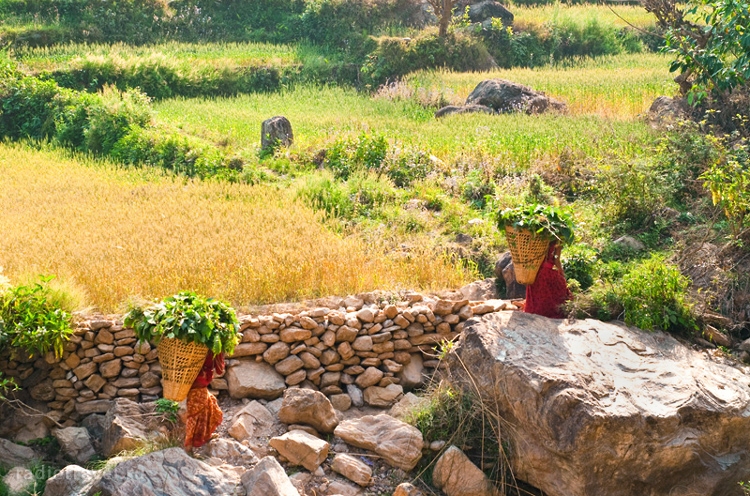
(528, 251)
(181, 363)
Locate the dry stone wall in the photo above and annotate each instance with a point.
(354, 350)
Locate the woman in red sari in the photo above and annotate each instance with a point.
(550, 289)
(203, 412)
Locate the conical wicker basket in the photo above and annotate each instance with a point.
(528, 251)
(181, 363)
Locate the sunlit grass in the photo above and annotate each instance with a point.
(605, 108)
(204, 54)
(605, 15)
(118, 234)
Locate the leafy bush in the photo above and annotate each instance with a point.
(188, 317)
(578, 264)
(30, 322)
(654, 296)
(729, 183)
(395, 57)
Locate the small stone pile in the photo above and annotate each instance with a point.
(357, 351)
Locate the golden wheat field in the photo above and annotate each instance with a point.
(116, 234)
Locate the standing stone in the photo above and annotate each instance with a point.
(267, 478)
(412, 375)
(71, 480)
(276, 131)
(356, 395)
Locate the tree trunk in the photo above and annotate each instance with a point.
(445, 18)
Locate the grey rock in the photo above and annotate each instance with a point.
(356, 395)
(601, 408)
(463, 109)
(75, 443)
(513, 288)
(128, 425)
(15, 455)
(70, 481)
(665, 110)
(412, 375)
(489, 9)
(19, 480)
(170, 472)
(630, 243)
(506, 96)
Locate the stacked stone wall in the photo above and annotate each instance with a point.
(361, 347)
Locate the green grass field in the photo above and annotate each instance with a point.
(616, 15)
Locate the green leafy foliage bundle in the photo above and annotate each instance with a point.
(544, 220)
(188, 317)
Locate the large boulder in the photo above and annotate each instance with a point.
(602, 408)
(70, 481)
(506, 96)
(399, 443)
(301, 448)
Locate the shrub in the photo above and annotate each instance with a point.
(729, 183)
(654, 296)
(30, 322)
(578, 264)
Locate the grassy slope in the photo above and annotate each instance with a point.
(118, 233)
(606, 97)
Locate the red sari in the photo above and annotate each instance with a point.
(550, 289)
(203, 412)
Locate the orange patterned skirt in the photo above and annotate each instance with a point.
(203, 417)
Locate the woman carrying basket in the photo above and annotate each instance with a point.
(203, 412)
(550, 289)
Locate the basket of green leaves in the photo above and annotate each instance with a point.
(186, 327)
(529, 229)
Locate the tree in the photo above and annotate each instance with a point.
(444, 11)
(711, 43)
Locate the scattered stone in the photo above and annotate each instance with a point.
(267, 478)
(301, 448)
(254, 420)
(408, 404)
(15, 455)
(455, 475)
(665, 110)
(399, 443)
(463, 109)
(506, 96)
(630, 243)
(341, 402)
(19, 480)
(407, 489)
(489, 9)
(304, 406)
(70, 481)
(353, 469)
(480, 290)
